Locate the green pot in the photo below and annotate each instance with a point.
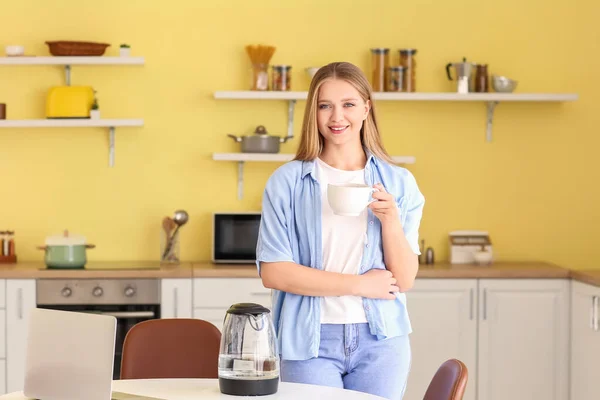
(66, 256)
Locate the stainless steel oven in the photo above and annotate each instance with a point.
(129, 300)
(234, 237)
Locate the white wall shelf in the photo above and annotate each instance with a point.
(55, 60)
(68, 61)
(491, 99)
(241, 158)
(111, 124)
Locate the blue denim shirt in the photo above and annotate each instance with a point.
(290, 230)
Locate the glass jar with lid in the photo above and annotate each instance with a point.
(281, 77)
(395, 77)
(407, 60)
(379, 68)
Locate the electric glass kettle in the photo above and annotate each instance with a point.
(248, 358)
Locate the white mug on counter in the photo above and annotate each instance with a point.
(349, 199)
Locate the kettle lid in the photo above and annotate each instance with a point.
(247, 308)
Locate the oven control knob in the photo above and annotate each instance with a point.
(66, 292)
(129, 291)
(97, 292)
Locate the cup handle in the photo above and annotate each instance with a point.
(373, 190)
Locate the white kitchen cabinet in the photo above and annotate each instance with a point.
(443, 314)
(2, 334)
(176, 298)
(585, 341)
(2, 377)
(215, 316)
(20, 300)
(2, 293)
(213, 296)
(523, 344)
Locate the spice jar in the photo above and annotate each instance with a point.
(11, 243)
(395, 78)
(3, 243)
(407, 60)
(281, 78)
(481, 78)
(260, 77)
(379, 65)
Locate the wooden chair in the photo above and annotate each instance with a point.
(449, 382)
(171, 348)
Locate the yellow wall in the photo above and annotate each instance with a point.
(535, 188)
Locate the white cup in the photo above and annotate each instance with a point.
(349, 199)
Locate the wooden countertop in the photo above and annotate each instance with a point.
(97, 270)
(506, 270)
(498, 270)
(591, 277)
(203, 269)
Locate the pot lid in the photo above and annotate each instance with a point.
(261, 130)
(66, 239)
(247, 308)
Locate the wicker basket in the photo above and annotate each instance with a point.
(69, 48)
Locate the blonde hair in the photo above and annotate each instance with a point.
(311, 141)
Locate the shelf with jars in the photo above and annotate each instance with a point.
(491, 99)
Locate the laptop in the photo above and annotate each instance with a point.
(70, 356)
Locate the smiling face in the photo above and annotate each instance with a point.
(341, 112)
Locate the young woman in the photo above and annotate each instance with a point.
(339, 306)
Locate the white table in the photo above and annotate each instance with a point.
(196, 389)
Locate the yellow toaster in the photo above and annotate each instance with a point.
(69, 102)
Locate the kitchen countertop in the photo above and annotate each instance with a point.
(199, 269)
(505, 270)
(591, 276)
(98, 270)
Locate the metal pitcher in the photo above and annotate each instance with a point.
(463, 72)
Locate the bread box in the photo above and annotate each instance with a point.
(464, 245)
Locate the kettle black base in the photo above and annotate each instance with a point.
(248, 387)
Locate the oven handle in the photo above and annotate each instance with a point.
(126, 314)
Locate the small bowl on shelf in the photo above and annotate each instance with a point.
(502, 84)
(14, 51)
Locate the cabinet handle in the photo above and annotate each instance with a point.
(592, 312)
(175, 302)
(484, 304)
(595, 313)
(20, 303)
(471, 304)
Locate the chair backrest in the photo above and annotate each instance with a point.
(171, 348)
(449, 382)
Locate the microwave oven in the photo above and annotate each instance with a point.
(234, 237)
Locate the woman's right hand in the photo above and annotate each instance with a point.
(378, 284)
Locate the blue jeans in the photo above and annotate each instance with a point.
(351, 358)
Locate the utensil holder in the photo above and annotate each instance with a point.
(169, 247)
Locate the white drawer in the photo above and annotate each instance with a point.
(2, 293)
(223, 292)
